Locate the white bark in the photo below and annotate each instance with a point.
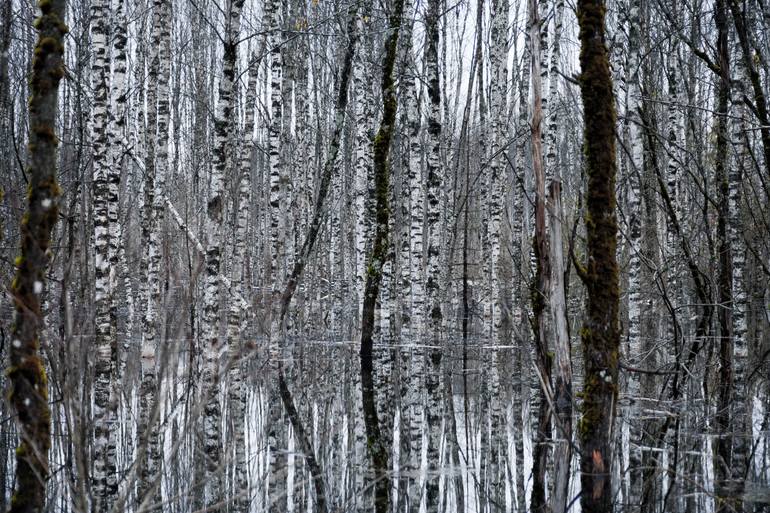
(631, 412)
(156, 165)
(741, 393)
(236, 390)
(434, 231)
(118, 114)
(277, 424)
(518, 233)
(497, 163)
(363, 178)
(277, 196)
(104, 471)
(212, 347)
(562, 381)
(498, 177)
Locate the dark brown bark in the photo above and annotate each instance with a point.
(26, 372)
(723, 466)
(600, 333)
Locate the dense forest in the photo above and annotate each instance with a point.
(392, 256)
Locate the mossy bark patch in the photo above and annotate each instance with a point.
(28, 391)
(600, 333)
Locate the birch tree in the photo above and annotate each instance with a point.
(433, 271)
(223, 160)
(105, 415)
(156, 165)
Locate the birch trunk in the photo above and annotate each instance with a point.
(743, 443)
(118, 115)
(237, 391)
(156, 165)
(517, 235)
(434, 230)
(497, 172)
(212, 347)
(104, 473)
(632, 408)
(363, 167)
(276, 424)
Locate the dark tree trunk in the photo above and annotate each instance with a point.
(377, 446)
(600, 333)
(26, 372)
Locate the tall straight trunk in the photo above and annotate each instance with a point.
(276, 424)
(118, 121)
(104, 473)
(723, 445)
(632, 410)
(236, 390)
(336, 251)
(498, 168)
(544, 21)
(362, 152)
(26, 373)
(413, 327)
(487, 299)
(675, 175)
(497, 162)
(378, 450)
(749, 57)
(497, 174)
(224, 131)
(562, 379)
(275, 39)
(600, 333)
(416, 203)
(732, 452)
(434, 230)
(411, 261)
(117, 126)
(116, 135)
(517, 234)
(540, 289)
(742, 398)
(562, 387)
(156, 165)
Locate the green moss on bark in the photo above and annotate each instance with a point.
(377, 446)
(28, 391)
(600, 333)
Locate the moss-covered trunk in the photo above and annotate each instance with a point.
(377, 446)
(600, 333)
(26, 373)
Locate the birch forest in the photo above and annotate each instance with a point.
(385, 256)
